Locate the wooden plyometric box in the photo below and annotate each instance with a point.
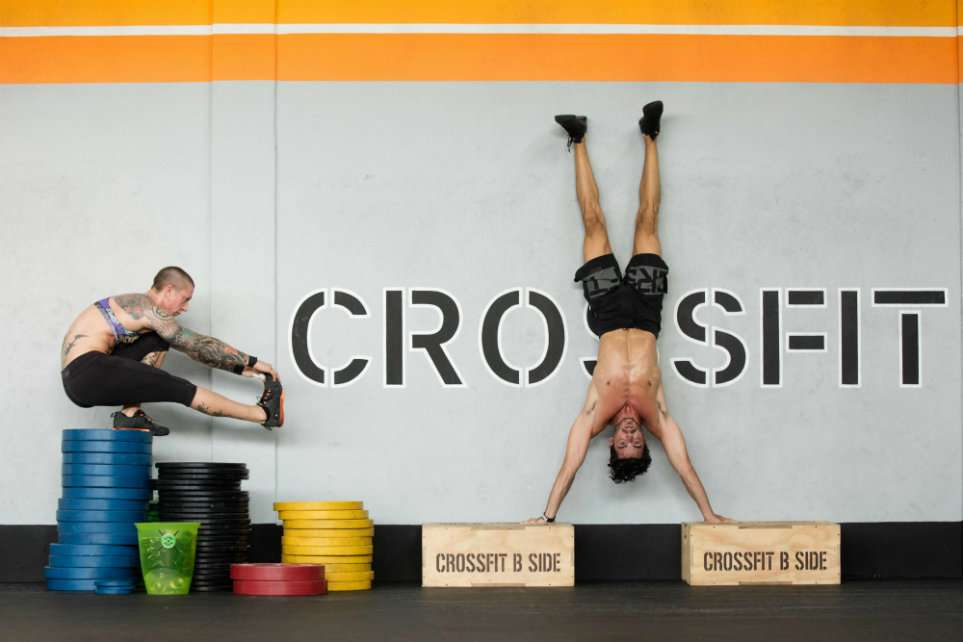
(474, 555)
(760, 553)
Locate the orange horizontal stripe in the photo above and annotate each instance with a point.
(105, 59)
(782, 12)
(95, 13)
(480, 57)
(182, 12)
(243, 58)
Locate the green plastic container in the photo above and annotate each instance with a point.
(167, 556)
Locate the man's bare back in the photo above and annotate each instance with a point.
(91, 332)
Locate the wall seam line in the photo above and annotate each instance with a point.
(277, 338)
(959, 200)
(210, 201)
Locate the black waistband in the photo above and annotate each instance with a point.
(81, 362)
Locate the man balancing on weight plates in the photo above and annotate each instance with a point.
(625, 312)
(113, 352)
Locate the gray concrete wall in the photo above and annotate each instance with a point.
(268, 193)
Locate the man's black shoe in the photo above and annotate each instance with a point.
(651, 119)
(576, 127)
(272, 401)
(140, 421)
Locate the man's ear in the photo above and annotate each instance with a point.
(612, 440)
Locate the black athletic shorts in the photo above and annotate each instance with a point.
(633, 301)
(119, 378)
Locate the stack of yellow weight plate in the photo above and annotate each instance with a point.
(337, 535)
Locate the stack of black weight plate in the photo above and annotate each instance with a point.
(209, 493)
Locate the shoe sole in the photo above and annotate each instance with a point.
(281, 410)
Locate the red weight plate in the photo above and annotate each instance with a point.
(248, 587)
(278, 572)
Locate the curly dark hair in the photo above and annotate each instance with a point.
(623, 470)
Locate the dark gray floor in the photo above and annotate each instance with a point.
(872, 611)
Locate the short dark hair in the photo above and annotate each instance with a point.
(171, 275)
(623, 470)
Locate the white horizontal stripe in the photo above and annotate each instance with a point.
(432, 28)
(146, 30)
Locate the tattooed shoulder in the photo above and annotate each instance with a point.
(136, 305)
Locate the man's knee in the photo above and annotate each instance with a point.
(154, 359)
(648, 212)
(646, 243)
(594, 220)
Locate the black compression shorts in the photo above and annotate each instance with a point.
(119, 378)
(633, 301)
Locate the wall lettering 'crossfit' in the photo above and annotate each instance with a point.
(776, 306)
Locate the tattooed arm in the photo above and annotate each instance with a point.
(575, 449)
(199, 347)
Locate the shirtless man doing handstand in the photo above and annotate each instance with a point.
(625, 313)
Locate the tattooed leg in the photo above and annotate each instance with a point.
(215, 405)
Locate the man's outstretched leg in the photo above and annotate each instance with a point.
(217, 405)
(268, 411)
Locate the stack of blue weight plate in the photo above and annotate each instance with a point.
(106, 488)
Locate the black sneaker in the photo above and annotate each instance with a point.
(651, 119)
(272, 401)
(576, 127)
(140, 421)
